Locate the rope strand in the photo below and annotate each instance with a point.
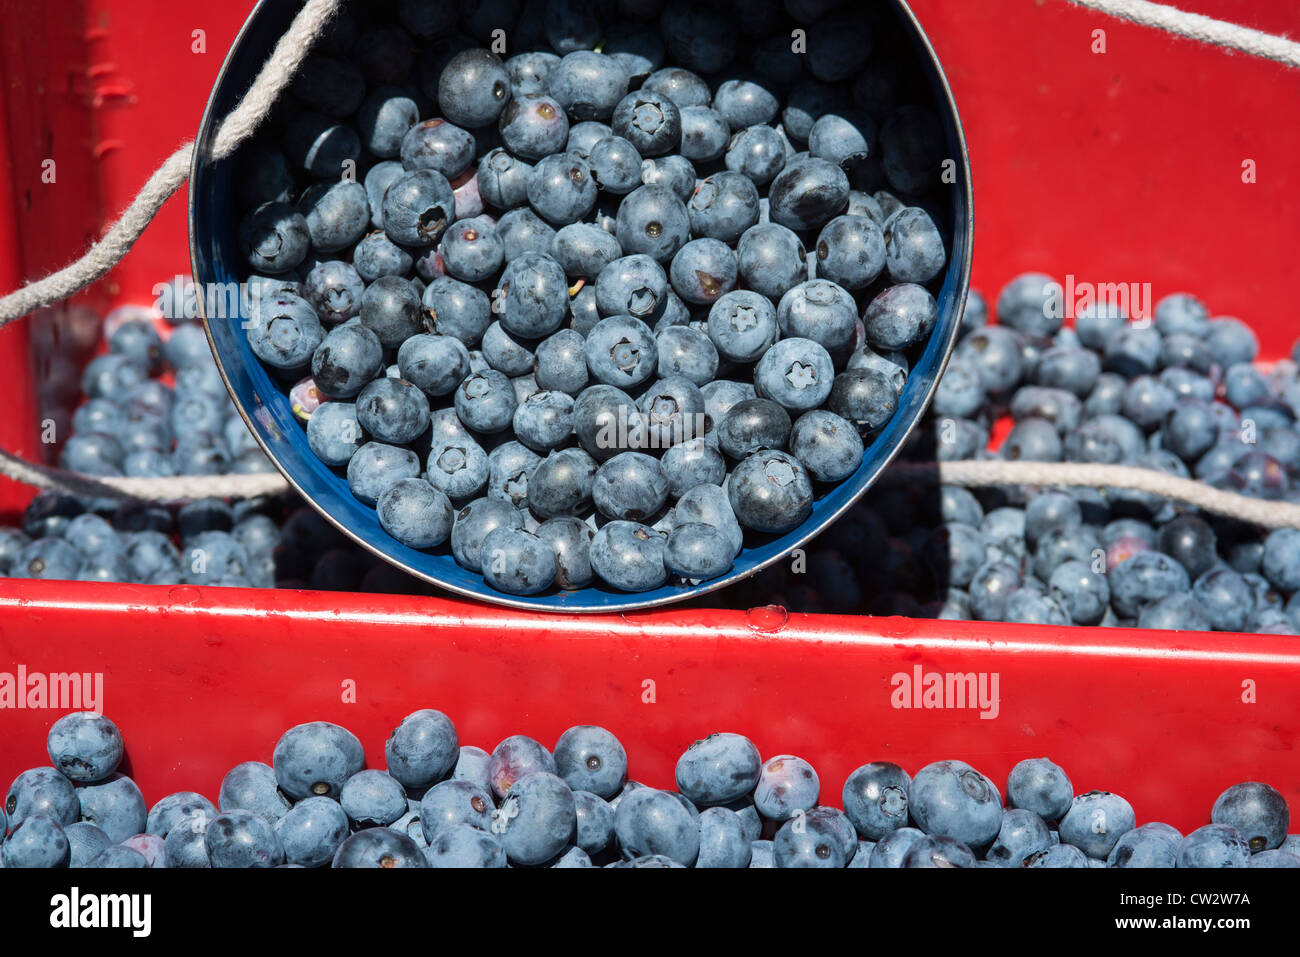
(1204, 29)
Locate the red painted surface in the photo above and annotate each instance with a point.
(212, 677)
(1124, 166)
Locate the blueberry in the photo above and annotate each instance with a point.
(1225, 597)
(751, 425)
(1231, 341)
(116, 805)
(633, 285)
(85, 746)
(571, 540)
(515, 757)
(705, 134)
(485, 402)
(591, 759)
(284, 332)
(529, 71)
(252, 786)
(473, 523)
(876, 799)
(379, 847)
(673, 412)
(770, 492)
(417, 207)
(583, 136)
(42, 791)
(1281, 560)
(393, 410)
(850, 252)
(588, 85)
(453, 803)
(629, 556)
(652, 220)
(1095, 821)
(688, 353)
(864, 397)
(673, 172)
(723, 206)
(274, 238)
(692, 463)
(680, 85)
(745, 102)
(320, 145)
(517, 562)
(1021, 834)
(503, 179)
(1082, 592)
(1214, 845)
(630, 486)
(615, 165)
(1257, 811)
(536, 820)
(621, 352)
(462, 845)
(787, 787)
(334, 433)
(723, 841)
(757, 152)
(383, 119)
(85, 842)
(1144, 578)
(697, 552)
(1151, 845)
(821, 311)
(316, 758)
(900, 317)
(561, 484)
(335, 290)
(560, 189)
(771, 259)
(372, 799)
(719, 769)
(807, 842)
(797, 373)
(471, 250)
(375, 467)
(178, 809)
(473, 88)
(561, 363)
(952, 799)
(742, 325)
(939, 851)
(39, 841)
(582, 249)
(808, 193)
(649, 822)
(315, 827)
(415, 513)
(535, 296)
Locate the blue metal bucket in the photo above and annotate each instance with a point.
(266, 408)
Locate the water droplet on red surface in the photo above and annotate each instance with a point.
(766, 618)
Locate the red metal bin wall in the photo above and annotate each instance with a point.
(1123, 166)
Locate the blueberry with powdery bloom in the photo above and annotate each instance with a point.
(875, 799)
(718, 769)
(629, 556)
(821, 311)
(533, 127)
(284, 332)
(588, 85)
(417, 207)
(652, 220)
(473, 88)
(85, 746)
(703, 271)
(808, 193)
(316, 758)
(591, 759)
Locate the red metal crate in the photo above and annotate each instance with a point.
(1122, 166)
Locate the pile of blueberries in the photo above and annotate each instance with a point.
(443, 804)
(599, 308)
(1178, 392)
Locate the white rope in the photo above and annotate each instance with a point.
(970, 473)
(982, 473)
(1195, 26)
(180, 489)
(238, 126)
